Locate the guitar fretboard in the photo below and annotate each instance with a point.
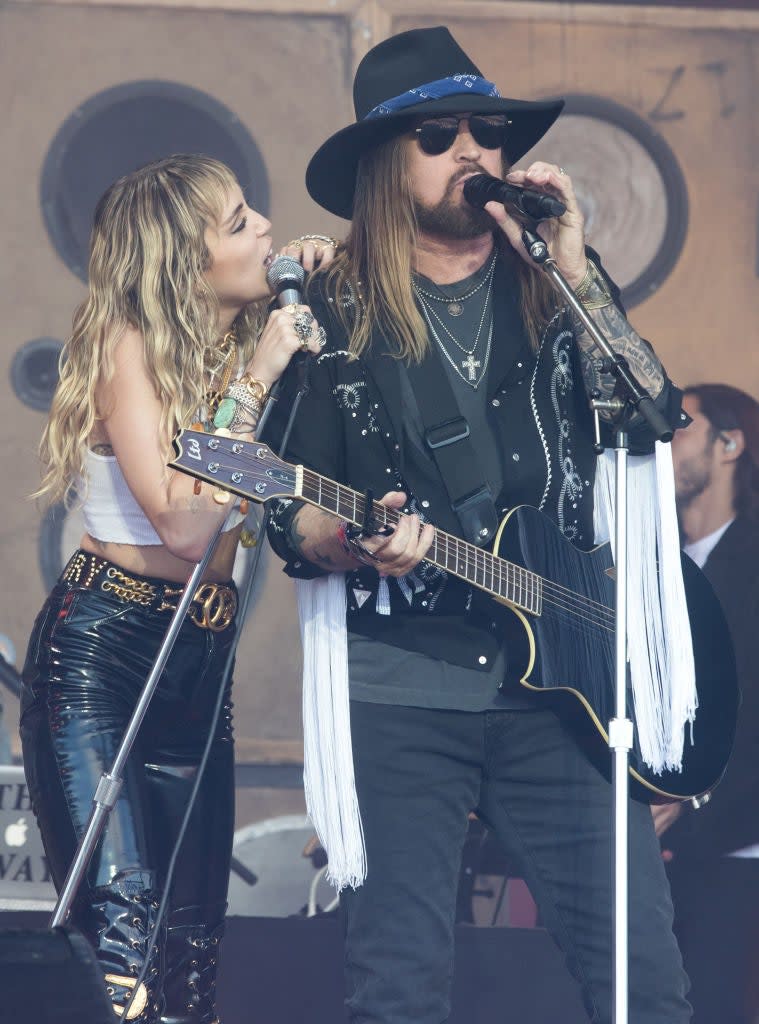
(495, 575)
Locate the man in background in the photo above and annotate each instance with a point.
(713, 853)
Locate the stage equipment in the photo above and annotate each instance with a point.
(286, 861)
(50, 977)
(25, 881)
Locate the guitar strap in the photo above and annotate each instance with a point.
(447, 436)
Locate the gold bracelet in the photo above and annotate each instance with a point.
(258, 390)
(586, 282)
(593, 276)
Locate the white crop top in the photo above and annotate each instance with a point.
(111, 512)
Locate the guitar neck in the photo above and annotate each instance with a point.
(496, 576)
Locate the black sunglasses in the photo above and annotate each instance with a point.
(437, 135)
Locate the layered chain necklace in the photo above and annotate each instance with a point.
(227, 350)
(454, 304)
(465, 368)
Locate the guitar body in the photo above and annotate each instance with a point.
(559, 653)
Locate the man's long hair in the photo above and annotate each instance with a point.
(728, 408)
(148, 259)
(375, 264)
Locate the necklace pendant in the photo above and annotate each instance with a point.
(455, 308)
(471, 365)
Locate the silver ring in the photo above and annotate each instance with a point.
(321, 336)
(303, 323)
(562, 171)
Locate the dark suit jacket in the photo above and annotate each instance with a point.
(731, 819)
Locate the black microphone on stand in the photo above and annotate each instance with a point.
(481, 188)
(285, 278)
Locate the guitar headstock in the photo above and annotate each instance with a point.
(247, 468)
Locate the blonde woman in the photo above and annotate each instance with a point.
(174, 322)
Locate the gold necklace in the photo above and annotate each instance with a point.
(214, 395)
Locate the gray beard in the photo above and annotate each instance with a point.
(451, 220)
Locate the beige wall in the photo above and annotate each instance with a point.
(53, 56)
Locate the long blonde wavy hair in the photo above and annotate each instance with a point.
(148, 259)
(376, 262)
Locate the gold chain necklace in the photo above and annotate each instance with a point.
(214, 395)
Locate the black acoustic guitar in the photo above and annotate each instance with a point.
(561, 633)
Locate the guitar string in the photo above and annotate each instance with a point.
(549, 587)
(551, 592)
(562, 597)
(325, 489)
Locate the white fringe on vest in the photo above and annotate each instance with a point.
(660, 649)
(328, 777)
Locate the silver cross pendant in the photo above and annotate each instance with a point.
(471, 365)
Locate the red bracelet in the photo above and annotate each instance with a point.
(342, 537)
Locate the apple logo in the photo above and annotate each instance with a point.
(15, 834)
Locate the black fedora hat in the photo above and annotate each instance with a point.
(423, 71)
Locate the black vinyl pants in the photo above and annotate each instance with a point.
(88, 658)
(419, 772)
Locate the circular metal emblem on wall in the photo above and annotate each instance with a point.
(122, 128)
(629, 186)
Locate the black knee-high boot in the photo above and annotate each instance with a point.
(118, 922)
(192, 958)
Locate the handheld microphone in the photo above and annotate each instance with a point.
(285, 278)
(481, 188)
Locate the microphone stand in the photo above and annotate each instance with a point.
(629, 396)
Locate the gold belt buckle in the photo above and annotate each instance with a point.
(218, 605)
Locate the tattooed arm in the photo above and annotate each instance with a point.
(302, 533)
(611, 322)
(312, 535)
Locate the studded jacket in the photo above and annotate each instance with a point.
(351, 427)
